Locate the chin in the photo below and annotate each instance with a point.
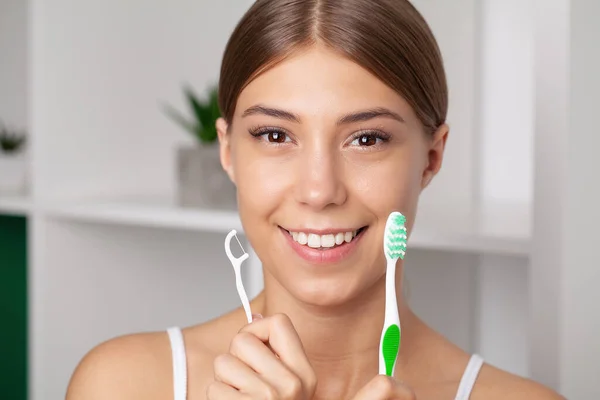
(326, 293)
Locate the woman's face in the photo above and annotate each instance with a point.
(321, 152)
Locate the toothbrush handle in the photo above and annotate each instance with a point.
(243, 296)
(390, 334)
(388, 352)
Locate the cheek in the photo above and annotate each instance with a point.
(261, 182)
(392, 183)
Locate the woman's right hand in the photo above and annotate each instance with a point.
(383, 387)
(266, 360)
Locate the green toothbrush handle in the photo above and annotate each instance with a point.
(389, 350)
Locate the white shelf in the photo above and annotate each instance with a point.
(154, 214)
(503, 229)
(500, 230)
(14, 205)
(469, 242)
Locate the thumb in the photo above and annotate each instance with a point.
(256, 317)
(384, 387)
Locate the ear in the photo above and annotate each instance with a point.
(225, 147)
(435, 154)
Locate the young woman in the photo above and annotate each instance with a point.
(334, 115)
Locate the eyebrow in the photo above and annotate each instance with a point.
(359, 116)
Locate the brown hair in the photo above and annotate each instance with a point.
(389, 38)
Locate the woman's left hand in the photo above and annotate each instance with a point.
(266, 360)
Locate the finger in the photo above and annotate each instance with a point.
(279, 332)
(383, 387)
(221, 391)
(233, 372)
(253, 352)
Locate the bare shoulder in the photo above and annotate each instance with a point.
(140, 366)
(494, 383)
(127, 367)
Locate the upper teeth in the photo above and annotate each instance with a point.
(316, 241)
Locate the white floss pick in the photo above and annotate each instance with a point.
(237, 264)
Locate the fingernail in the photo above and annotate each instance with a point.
(256, 316)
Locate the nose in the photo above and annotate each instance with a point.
(320, 181)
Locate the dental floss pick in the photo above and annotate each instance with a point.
(236, 262)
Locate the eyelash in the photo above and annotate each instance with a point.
(383, 136)
(259, 131)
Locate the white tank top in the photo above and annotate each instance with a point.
(180, 369)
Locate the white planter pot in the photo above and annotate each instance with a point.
(13, 173)
(202, 182)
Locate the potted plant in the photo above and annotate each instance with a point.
(202, 182)
(12, 161)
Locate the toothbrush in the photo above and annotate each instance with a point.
(394, 247)
(237, 264)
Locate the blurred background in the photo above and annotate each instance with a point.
(113, 210)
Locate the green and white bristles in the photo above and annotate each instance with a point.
(395, 236)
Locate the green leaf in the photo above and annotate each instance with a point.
(180, 119)
(11, 140)
(214, 103)
(204, 115)
(202, 111)
(208, 134)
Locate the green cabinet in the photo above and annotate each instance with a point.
(13, 307)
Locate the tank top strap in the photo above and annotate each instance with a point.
(469, 377)
(179, 363)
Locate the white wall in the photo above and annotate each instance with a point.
(505, 140)
(502, 316)
(101, 70)
(441, 289)
(564, 292)
(580, 349)
(506, 128)
(13, 63)
(455, 24)
(552, 60)
(488, 51)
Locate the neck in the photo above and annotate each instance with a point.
(342, 341)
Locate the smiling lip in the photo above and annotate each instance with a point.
(327, 255)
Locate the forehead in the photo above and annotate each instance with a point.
(319, 81)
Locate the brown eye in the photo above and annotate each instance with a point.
(370, 139)
(367, 140)
(276, 137)
(270, 135)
